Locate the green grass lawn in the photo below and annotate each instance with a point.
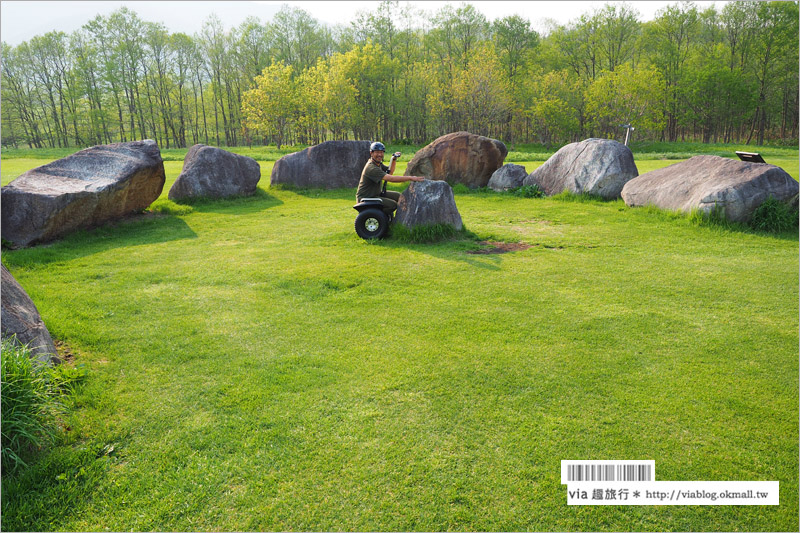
(254, 365)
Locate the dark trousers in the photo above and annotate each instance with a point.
(390, 199)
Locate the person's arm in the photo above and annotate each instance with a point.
(390, 177)
(402, 179)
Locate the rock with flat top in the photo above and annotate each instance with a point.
(711, 183)
(83, 190)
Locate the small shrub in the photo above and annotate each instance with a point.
(460, 188)
(527, 191)
(168, 207)
(774, 216)
(32, 400)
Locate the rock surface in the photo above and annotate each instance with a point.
(215, 173)
(600, 167)
(330, 165)
(459, 157)
(426, 203)
(21, 318)
(709, 182)
(508, 176)
(83, 190)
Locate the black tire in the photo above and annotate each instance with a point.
(372, 224)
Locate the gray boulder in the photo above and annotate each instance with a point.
(508, 176)
(215, 173)
(600, 167)
(709, 182)
(426, 203)
(330, 165)
(21, 321)
(459, 157)
(83, 190)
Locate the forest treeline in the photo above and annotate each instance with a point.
(399, 74)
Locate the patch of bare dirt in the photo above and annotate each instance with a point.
(64, 352)
(497, 247)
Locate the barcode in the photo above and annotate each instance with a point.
(576, 471)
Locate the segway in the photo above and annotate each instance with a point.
(372, 222)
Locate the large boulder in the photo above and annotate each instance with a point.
(83, 190)
(459, 157)
(425, 203)
(599, 167)
(508, 176)
(330, 165)
(709, 183)
(215, 173)
(21, 321)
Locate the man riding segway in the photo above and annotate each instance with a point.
(371, 222)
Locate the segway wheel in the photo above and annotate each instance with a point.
(372, 224)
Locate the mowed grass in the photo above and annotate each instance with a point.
(254, 365)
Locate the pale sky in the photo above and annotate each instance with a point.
(21, 20)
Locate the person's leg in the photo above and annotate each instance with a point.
(392, 195)
(389, 206)
(390, 199)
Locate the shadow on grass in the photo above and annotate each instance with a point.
(453, 248)
(713, 221)
(254, 203)
(58, 486)
(134, 231)
(347, 193)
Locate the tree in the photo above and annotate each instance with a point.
(626, 96)
(618, 27)
(514, 42)
(778, 30)
(554, 99)
(481, 94)
(669, 38)
(271, 107)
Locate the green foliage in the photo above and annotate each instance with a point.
(627, 96)
(271, 108)
(774, 216)
(396, 73)
(32, 402)
(430, 233)
(527, 191)
(569, 196)
(164, 206)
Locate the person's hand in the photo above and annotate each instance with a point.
(417, 178)
(396, 155)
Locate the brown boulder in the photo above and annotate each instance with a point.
(459, 157)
